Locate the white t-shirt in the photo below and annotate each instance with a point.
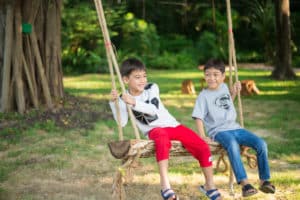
(216, 109)
(149, 111)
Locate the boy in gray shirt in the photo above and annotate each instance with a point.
(214, 110)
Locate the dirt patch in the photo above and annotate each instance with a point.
(70, 113)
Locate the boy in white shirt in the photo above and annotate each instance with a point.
(154, 120)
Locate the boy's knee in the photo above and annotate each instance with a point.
(205, 147)
(158, 133)
(263, 145)
(232, 146)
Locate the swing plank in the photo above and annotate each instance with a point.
(146, 148)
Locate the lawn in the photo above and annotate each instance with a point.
(63, 154)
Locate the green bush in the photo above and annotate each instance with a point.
(167, 60)
(175, 43)
(250, 56)
(82, 44)
(296, 61)
(207, 47)
(139, 37)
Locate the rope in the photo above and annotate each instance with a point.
(111, 56)
(117, 187)
(251, 159)
(232, 58)
(118, 191)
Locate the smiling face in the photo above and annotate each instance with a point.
(136, 81)
(214, 78)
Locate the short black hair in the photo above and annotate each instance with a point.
(130, 65)
(215, 63)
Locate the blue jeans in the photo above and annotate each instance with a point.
(231, 141)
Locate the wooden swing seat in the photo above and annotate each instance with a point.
(132, 149)
(146, 148)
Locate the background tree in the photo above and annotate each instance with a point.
(283, 64)
(30, 62)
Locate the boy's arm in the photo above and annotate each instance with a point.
(236, 88)
(200, 129)
(153, 104)
(122, 106)
(148, 108)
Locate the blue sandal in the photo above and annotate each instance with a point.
(212, 194)
(166, 194)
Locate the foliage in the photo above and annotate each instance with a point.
(82, 44)
(81, 39)
(167, 32)
(249, 56)
(262, 21)
(207, 47)
(295, 17)
(139, 37)
(175, 43)
(167, 60)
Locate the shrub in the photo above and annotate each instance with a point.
(207, 47)
(175, 43)
(167, 60)
(82, 44)
(139, 37)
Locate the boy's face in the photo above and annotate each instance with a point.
(213, 78)
(136, 82)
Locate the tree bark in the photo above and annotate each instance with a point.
(31, 75)
(17, 60)
(41, 70)
(283, 63)
(2, 30)
(6, 69)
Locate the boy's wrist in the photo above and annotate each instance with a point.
(133, 103)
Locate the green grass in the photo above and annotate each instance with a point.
(41, 152)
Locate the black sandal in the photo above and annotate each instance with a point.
(248, 190)
(166, 194)
(267, 187)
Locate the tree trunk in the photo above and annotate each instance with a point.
(283, 64)
(6, 67)
(17, 60)
(30, 54)
(2, 29)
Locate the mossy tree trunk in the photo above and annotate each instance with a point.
(283, 63)
(30, 54)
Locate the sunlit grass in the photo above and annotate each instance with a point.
(98, 86)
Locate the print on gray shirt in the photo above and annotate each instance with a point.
(223, 101)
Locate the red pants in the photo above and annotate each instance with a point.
(189, 139)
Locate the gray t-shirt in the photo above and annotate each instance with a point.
(216, 109)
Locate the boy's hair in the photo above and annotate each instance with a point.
(130, 65)
(215, 63)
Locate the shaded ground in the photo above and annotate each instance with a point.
(71, 113)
